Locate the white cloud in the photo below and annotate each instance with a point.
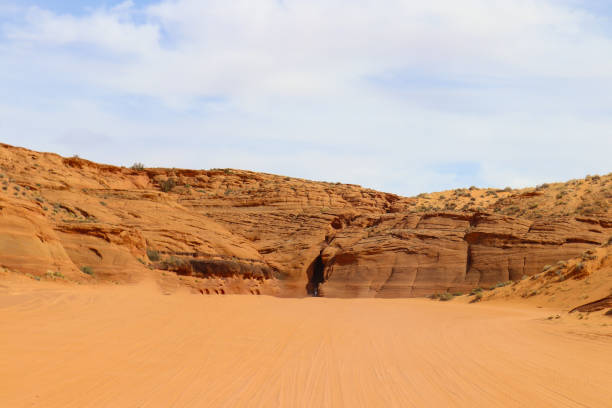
(520, 87)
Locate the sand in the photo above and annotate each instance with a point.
(74, 346)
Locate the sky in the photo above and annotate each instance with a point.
(401, 96)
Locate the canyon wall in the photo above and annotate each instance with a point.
(234, 231)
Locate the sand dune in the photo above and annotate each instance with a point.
(68, 346)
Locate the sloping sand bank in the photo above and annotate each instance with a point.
(136, 347)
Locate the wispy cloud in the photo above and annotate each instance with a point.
(386, 94)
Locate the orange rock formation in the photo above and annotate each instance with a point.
(233, 231)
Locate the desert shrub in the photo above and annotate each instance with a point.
(508, 189)
(477, 298)
(444, 297)
(153, 255)
(174, 261)
(472, 187)
(475, 291)
(53, 275)
(513, 209)
(589, 255)
(167, 185)
(178, 265)
(87, 270)
(138, 166)
(542, 186)
(502, 284)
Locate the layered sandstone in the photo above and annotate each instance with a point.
(582, 284)
(233, 231)
(419, 254)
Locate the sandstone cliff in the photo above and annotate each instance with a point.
(581, 284)
(233, 231)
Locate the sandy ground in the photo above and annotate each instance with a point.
(72, 346)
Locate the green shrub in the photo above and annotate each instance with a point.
(87, 270)
(167, 185)
(138, 166)
(153, 255)
(445, 297)
(53, 275)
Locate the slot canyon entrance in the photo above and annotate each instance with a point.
(315, 276)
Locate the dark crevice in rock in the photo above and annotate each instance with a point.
(315, 276)
(95, 251)
(594, 306)
(581, 241)
(468, 261)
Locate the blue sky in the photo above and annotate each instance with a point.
(78, 7)
(396, 95)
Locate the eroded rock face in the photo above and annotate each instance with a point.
(416, 255)
(242, 232)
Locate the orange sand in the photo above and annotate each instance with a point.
(75, 346)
